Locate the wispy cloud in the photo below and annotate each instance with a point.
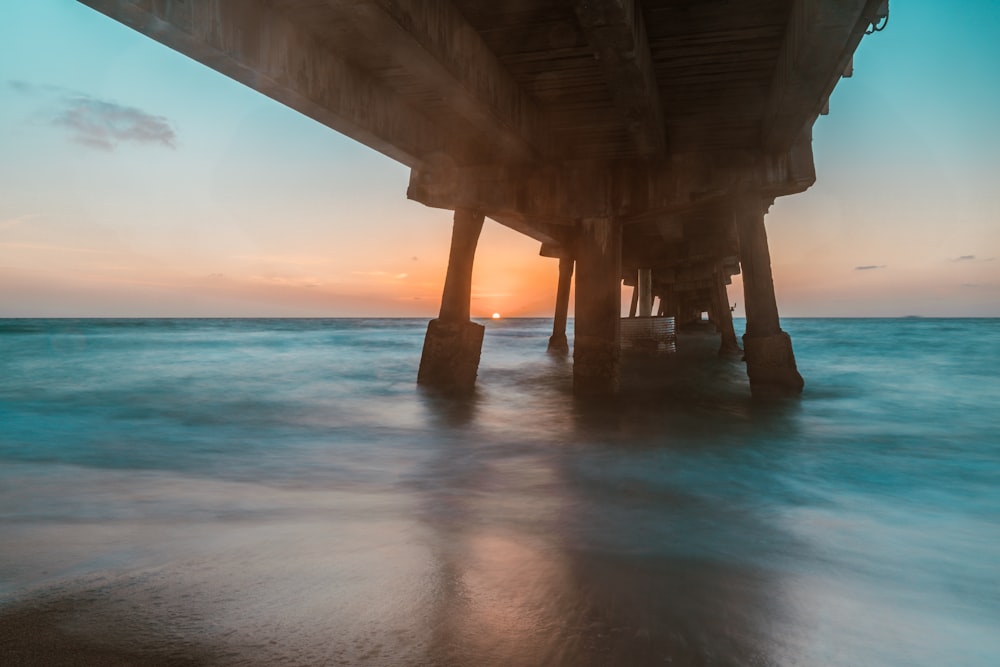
(964, 258)
(26, 88)
(869, 267)
(98, 123)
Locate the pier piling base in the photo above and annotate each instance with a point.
(557, 341)
(450, 359)
(724, 318)
(597, 325)
(596, 366)
(767, 349)
(452, 345)
(771, 365)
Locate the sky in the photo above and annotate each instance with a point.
(135, 182)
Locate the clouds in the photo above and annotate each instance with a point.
(103, 125)
(98, 123)
(970, 259)
(870, 267)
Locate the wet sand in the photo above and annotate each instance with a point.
(616, 612)
(36, 636)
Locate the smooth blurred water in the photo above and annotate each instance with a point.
(281, 492)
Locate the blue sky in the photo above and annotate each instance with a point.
(135, 182)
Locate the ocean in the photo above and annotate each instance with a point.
(280, 492)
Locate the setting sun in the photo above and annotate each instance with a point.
(496, 316)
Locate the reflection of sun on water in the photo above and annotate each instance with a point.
(496, 316)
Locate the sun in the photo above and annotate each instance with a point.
(496, 316)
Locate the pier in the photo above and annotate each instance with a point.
(636, 140)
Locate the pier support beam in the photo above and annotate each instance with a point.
(668, 302)
(450, 359)
(768, 349)
(597, 340)
(724, 317)
(645, 287)
(557, 341)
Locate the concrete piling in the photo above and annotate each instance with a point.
(452, 345)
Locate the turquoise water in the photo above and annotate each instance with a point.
(280, 492)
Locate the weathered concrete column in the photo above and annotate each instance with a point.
(557, 341)
(727, 332)
(713, 317)
(768, 349)
(668, 302)
(597, 341)
(688, 313)
(645, 288)
(450, 359)
(634, 306)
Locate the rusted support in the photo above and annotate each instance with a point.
(768, 349)
(558, 341)
(450, 358)
(597, 341)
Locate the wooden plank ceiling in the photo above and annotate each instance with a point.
(713, 63)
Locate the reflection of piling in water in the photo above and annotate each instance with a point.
(556, 556)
